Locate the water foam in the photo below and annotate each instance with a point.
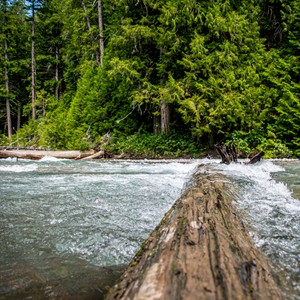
(260, 174)
(48, 158)
(18, 168)
(273, 215)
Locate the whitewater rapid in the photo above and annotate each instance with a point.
(97, 213)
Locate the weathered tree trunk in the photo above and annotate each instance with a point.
(227, 153)
(33, 66)
(101, 38)
(200, 250)
(38, 154)
(256, 158)
(57, 87)
(164, 108)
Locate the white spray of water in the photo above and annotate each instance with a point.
(273, 214)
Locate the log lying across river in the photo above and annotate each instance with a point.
(200, 250)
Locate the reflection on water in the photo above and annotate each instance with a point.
(57, 277)
(68, 227)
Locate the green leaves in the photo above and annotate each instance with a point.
(219, 66)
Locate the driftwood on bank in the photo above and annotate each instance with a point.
(99, 154)
(228, 154)
(200, 250)
(38, 154)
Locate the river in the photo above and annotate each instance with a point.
(68, 228)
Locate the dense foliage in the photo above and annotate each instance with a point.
(181, 74)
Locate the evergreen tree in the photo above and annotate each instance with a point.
(13, 60)
(6, 62)
(213, 68)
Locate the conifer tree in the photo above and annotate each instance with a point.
(6, 62)
(13, 54)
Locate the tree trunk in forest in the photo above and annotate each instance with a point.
(101, 37)
(156, 124)
(164, 109)
(200, 250)
(8, 111)
(57, 87)
(165, 117)
(88, 22)
(33, 65)
(19, 117)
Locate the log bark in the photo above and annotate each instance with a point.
(38, 154)
(200, 250)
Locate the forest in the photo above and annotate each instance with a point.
(160, 77)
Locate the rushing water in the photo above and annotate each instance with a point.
(67, 227)
(61, 219)
(268, 200)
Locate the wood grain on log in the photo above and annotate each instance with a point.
(200, 250)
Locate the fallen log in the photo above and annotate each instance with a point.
(228, 154)
(200, 250)
(38, 154)
(98, 154)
